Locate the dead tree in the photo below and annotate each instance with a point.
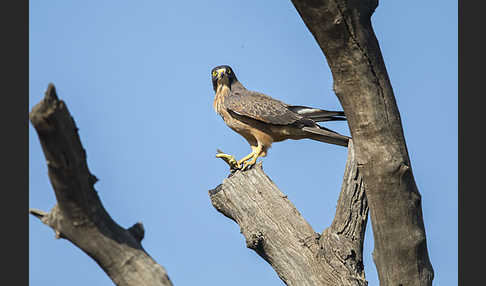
(79, 215)
(378, 172)
(272, 226)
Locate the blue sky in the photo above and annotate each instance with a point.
(136, 78)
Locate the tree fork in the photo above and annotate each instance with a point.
(274, 228)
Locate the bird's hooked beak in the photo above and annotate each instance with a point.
(220, 77)
(219, 73)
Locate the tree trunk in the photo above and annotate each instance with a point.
(274, 228)
(79, 215)
(344, 32)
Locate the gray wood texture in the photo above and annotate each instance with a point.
(79, 215)
(344, 33)
(275, 229)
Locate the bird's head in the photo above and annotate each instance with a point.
(222, 75)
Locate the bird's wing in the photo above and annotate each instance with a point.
(260, 107)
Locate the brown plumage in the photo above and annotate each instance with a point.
(262, 120)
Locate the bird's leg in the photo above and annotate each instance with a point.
(256, 153)
(229, 159)
(247, 157)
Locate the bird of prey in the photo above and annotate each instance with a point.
(262, 120)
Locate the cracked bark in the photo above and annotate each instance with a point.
(344, 33)
(274, 228)
(79, 215)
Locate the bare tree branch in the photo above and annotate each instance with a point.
(344, 32)
(79, 215)
(274, 228)
(345, 236)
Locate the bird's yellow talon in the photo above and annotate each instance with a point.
(229, 159)
(246, 166)
(241, 163)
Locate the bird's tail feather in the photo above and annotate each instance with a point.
(318, 115)
(323, 134)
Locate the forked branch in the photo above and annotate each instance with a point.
(275, 229)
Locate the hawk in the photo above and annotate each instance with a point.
(262, 120)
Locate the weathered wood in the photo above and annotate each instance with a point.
(346, 234)
(274, 228)
(344, 32)
(79, 215)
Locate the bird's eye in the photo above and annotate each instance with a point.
(215, 73)
(228, 71)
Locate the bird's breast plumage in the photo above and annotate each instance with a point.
(221, 93)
